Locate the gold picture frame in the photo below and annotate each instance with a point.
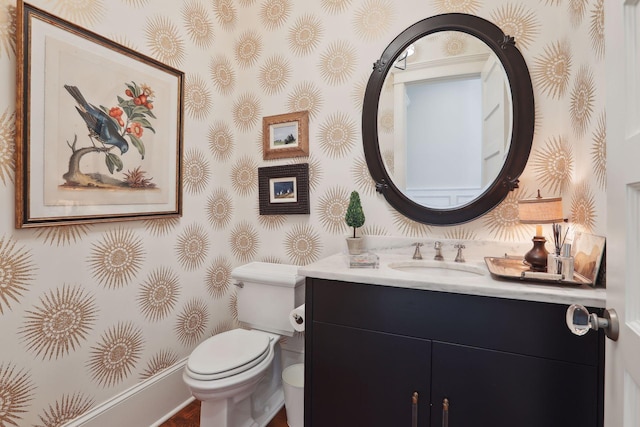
(81, 96)
(285, 135)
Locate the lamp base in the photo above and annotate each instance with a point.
(537, 256)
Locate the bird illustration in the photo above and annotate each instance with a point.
(98, 122)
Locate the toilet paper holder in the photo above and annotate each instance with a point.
(299, 319)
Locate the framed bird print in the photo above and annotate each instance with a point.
(98, 127)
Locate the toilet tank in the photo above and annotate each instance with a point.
(266, 295)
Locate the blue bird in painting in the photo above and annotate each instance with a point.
(98, 122)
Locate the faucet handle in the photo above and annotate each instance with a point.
(416, 253)
(438, 246)
(459, 257)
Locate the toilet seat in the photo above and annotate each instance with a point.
(227, 354)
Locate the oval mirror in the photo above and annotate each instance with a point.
(448, 119)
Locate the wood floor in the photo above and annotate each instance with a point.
(189, 416)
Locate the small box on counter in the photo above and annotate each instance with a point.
(364, 260)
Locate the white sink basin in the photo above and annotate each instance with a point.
(439, 268)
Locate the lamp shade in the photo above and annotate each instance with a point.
(540, 210)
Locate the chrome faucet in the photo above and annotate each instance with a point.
(459, 257)
(438, 247)
(416, 253)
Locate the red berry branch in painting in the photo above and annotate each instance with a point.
(111, 130)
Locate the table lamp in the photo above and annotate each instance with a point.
(539, 211)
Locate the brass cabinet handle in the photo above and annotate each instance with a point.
(445, 412)
(414, 409)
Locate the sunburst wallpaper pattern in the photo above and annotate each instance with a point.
(89, 311)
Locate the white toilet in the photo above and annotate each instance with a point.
(238, 374)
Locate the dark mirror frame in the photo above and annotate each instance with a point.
(522, 127)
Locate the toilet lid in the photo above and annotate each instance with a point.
(228, 353)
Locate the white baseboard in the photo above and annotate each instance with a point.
(148, 403)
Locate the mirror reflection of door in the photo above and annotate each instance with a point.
(496, 119)
(451, 121)
(443, 141)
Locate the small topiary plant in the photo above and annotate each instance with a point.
(354, 216)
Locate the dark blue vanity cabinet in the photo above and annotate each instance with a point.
(392, 357)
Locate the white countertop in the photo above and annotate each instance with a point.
(336, 267)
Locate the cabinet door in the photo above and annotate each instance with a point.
(364, 378)
(497, 389)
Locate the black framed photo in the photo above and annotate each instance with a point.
(284, 190)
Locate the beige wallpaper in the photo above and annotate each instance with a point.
(88, 311)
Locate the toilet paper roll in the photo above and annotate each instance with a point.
(296, 317)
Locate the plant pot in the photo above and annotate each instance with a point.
(355, 245)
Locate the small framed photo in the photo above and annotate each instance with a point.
(285, 135)
(587, 251)
(284, 190)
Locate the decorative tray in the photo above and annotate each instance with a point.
(514, 268)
